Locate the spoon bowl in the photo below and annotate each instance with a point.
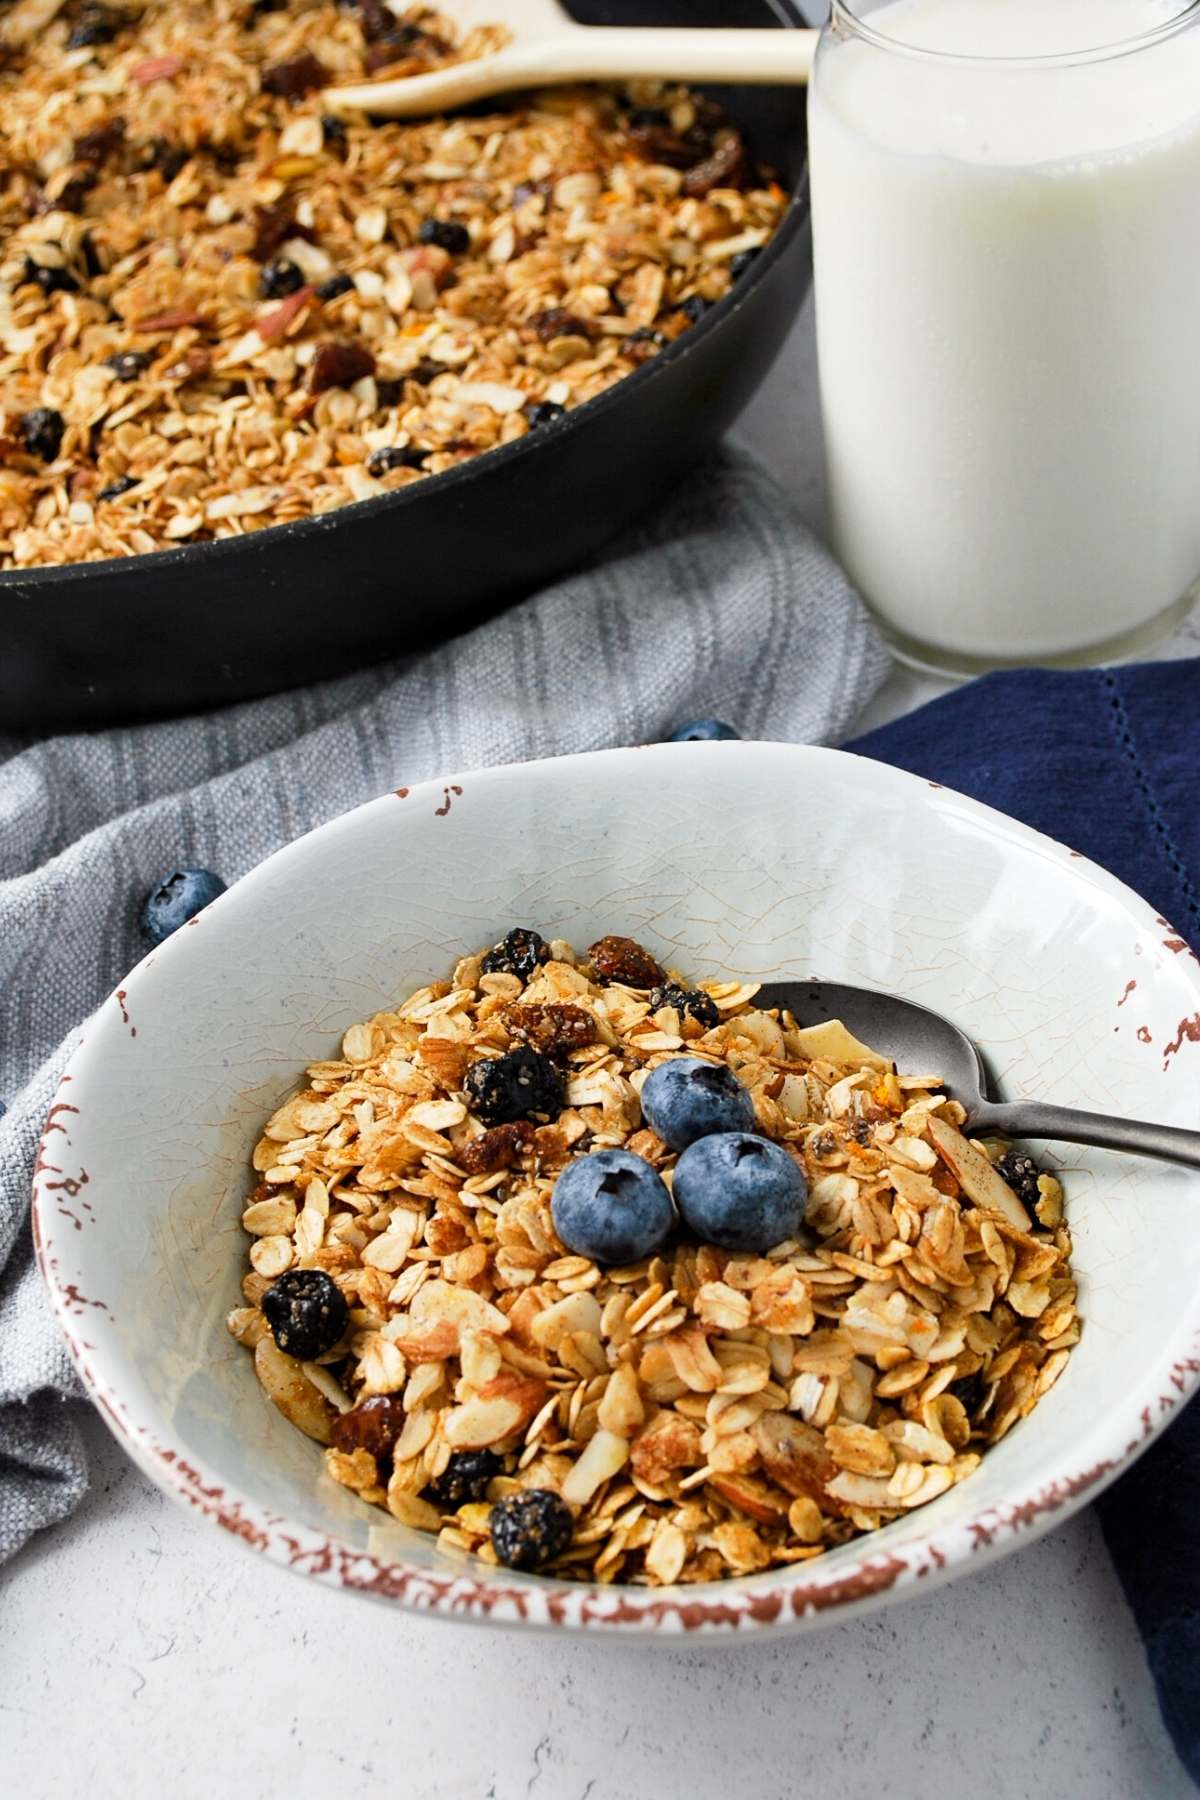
(921, 1041)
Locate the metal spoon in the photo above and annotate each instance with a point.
(546, 48)
(923, 1043)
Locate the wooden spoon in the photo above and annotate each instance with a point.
(547, 48)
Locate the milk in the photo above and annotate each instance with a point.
(1008, 303)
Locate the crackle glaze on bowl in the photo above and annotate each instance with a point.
(754, 859)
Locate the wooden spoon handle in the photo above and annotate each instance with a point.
(613, 53)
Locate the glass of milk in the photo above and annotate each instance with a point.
(1006, 201)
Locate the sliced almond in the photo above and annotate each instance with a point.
(975, 1174)
(831, 1042)
(468, 1310)
(285, 1383)
(604, 1455)
(752, 1497)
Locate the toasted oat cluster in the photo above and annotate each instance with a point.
(222, 308)
(703, 1413)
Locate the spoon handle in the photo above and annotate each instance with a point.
(616, 53)
(1028, 1119)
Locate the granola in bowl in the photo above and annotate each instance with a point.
(705, 1411)
(223, 308)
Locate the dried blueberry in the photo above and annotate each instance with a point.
(692, 1003)
(41, 432)
(969, 1391)
(177, 899)
(116, 488)
(1021, 1173)
(465, 1477)
(519, 953)
(426, 371)
(388, 392)
(334, 287)
(695, 307)
(52, 279)
(127, 365)
(167, 158)
(71, 197)
(279, 278)
(446, 234)
(395, 456)
(703, 731)
(96, 24)
(542, 412)
(745, 259)
(306, 1312)
(333, 129)
(531, 1528)
(519, 1085)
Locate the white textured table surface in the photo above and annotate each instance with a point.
(144, 1654)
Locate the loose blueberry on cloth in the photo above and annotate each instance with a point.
(722, 604)
(1105, 760)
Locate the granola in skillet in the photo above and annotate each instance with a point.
(222, 308)
(703, 1412)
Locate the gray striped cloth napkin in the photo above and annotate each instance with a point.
(722, 604)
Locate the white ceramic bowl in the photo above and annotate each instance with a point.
(763, 860)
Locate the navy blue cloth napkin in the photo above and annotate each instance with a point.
(1105, 760)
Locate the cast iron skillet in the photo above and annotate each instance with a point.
(197, 627)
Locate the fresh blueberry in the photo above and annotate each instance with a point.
(686, 1099)
(279, 278)
(740, 1192)
(177, 899)
(612, 1207)
(333, 287)
(116, 488)
(542, 412)
(395, 456)
(447, 234)
(703, 731)
(41, 432)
